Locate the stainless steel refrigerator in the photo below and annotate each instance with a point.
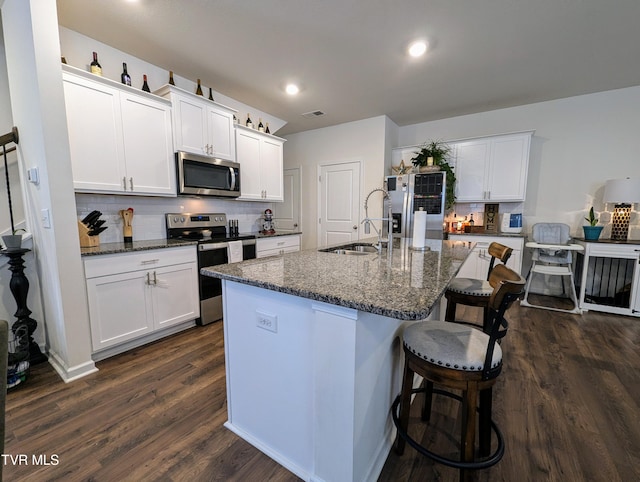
(410, 192)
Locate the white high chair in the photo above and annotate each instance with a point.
(552, 256)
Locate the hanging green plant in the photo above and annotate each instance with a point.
(440, 152)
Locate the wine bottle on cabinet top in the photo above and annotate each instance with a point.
(145, 86)
(266, 130)
(260, 125)
(171, 82)
(210, 94)
(125, 78)
(199, 88)
(249, 123)
(95, 65)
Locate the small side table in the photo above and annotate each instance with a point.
(19, 286)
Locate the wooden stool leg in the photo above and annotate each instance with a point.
(450, 314)
(485, 422)
(405, 406)
(468, 436)
(428, 397)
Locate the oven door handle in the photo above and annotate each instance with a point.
(211, 246)
(232, 172)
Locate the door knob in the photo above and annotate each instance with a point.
(295, 225)
(355, 226)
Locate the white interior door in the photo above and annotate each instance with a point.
(287, 213)
(339, 203)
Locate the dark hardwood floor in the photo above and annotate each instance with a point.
(567, 402)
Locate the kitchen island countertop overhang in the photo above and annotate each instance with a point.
(405, 287)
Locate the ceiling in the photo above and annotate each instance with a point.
(349, 56)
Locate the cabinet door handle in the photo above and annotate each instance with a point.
(155, 278)
(148, 279)
(131, 183)
(124, 183)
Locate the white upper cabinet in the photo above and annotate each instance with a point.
(119, 138)
(201, 126)
(261, 165)
(492, 168)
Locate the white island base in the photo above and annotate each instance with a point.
(311, 384)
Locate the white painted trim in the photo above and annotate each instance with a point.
(70, 374)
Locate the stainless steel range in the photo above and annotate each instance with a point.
(210, 230)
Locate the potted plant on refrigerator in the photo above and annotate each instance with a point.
(434, 156)
(592, 232)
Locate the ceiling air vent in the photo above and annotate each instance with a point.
(312, 114)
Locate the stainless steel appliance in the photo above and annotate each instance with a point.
(210, 230)
(206, 176)
(410, 192)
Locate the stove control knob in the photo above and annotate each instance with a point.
(182, 219)
(175, 219)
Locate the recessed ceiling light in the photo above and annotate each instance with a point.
(292, 89)
(418, 48)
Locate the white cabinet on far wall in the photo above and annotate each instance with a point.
(136, 297)
(492, 168)
(201, 126)
(477, 264)
(261, 165)
(119, 138)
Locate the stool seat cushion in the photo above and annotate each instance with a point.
(470, 286)
(450, 345)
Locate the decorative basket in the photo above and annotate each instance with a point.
(18, 364)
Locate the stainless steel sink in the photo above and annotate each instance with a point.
(352, 249)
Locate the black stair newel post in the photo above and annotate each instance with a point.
(24, 325)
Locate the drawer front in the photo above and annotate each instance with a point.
(515, 243)
(276, 252)
(108, 264)
(278, 242)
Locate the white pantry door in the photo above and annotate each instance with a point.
(339, 203)
(287, 213)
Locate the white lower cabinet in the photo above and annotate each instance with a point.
(132, 295)
(277, 245)
(477, 264)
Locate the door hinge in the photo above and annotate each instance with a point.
(319, 178)
(319, 220)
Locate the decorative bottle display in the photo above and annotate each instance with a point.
(95, 65)
(471, 221)
(125, 78)
(63, 60)
(199, 88)
(235, 119)
(210, 94)
(171, 82)
(249, 123)
(260, 125)
(145, 86)
(266, 130)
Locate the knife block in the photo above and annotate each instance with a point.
(87, 241)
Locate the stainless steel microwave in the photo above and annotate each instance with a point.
(206, 176)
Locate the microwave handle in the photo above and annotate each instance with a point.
(233, 178)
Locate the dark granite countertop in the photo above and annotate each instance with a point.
(406, 288)
(113, 248)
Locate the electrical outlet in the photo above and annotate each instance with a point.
(267, 322)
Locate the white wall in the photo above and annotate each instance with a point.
(579, 143)
(354, 141)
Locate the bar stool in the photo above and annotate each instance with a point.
(459, 357)
(475, 292)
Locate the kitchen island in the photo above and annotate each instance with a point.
(313, 352)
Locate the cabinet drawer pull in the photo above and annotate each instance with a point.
(149, 261)
(280, 243)
(131, 183)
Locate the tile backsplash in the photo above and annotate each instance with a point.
(148, 217)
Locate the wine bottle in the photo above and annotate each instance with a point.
(145, 86)
(199, 88)
(235, 119)
(210, 94)
(260, 125)
(267, 131)
(63, 60)
(249, 123)
(171, 82)
(95, 65)
(125, 78)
